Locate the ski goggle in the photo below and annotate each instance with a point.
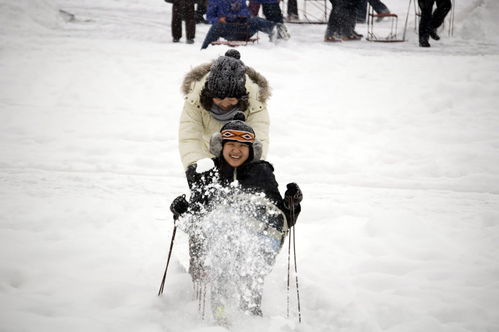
(238, 136)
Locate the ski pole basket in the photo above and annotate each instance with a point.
(375, 37)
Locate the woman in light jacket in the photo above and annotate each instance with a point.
(214, 93)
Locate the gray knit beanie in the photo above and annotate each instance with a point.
(227, 76)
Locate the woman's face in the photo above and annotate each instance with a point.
(235, 153)
(225, 104)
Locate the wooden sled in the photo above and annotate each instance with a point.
(235, 43)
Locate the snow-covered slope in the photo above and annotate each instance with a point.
(395, 147)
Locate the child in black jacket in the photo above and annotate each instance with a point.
(237, 180)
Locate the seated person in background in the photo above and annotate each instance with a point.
(231, 20)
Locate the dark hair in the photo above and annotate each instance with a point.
(206, 100)
(226, 79)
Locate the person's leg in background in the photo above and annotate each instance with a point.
(438, 17)
(260, 24)
(293, 10)
(190, 20)
(426, 7)
(272, 12)
(177, 21)
(361, 11)
(332, 28)
(216, 31)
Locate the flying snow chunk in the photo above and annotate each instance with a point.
(204, 165)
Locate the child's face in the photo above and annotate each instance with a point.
(235, 153)
(225, 104)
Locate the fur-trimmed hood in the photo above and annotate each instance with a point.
(200, 73)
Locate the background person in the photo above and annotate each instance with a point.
(183, 10)
(431, 20)
(231, 20)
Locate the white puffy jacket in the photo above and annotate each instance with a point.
(197, 125)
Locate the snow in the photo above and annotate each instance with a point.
(396, 149)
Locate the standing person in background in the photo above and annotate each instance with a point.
(431, 20)
(271, 9)
(183, 10)
(378, 6)
(214, 93)
(341, 24)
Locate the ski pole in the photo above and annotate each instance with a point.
(162, 286)
(289, 268)
(296, 266)
(291, 238)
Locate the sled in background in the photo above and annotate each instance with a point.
(392, 35)
(236, 43)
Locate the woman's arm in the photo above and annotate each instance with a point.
(191, 145)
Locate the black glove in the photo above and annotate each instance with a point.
(293, 195)
(200, 172)
(179, 206)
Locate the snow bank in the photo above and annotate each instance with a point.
(479, 21)
(24, 16)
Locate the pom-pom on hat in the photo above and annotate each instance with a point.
(236, 130)
(227, 76)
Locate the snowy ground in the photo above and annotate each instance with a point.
(396, 149)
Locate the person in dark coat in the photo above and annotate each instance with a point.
(431, 20)
(341, 23)
(183, 10)
(236, 170)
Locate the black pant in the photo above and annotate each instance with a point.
(342, 18)
(292, 7)
(183, 10)
(431, 20)
(201, 9)
(272, 12)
